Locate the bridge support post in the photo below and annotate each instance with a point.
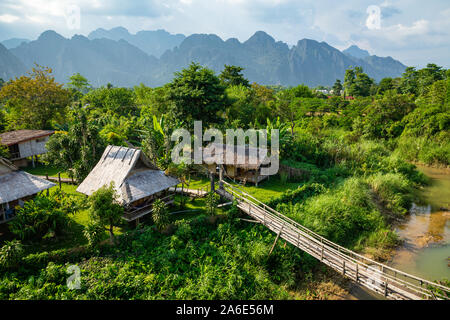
(211, 178)
(385, 288)
(357, 276)
(343, 268)
(220, 177)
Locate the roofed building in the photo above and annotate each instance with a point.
(16, 187)
(242, 163)
(25, 143)
(136, 180)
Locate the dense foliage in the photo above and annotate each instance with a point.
(349, 155)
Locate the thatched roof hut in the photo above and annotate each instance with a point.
(241, 163)
(18, 136)
(16, 184)
(134, 176)
(245, 157)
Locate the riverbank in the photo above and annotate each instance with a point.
(425, 251)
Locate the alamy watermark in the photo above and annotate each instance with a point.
(74, 281)
(72, 14)
(249, 147)
(373, 21)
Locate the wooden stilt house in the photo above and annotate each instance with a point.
(241, 163)
(137, 181)
(16, 187)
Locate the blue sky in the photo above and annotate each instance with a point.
(415, 32)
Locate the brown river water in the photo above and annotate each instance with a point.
(426, 233)
(425, 251)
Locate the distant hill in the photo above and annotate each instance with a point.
(10, 65)
(151, 42)
(14, 42)
(356, 52)
(99, 60)
(265, 60)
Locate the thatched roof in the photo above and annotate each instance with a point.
(14, 137)
(134, 176)
(241, 156)
(15, 184)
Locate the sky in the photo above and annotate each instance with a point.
(416, 32)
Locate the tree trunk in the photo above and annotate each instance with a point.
(111, 233)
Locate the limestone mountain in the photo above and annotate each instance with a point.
(10, 65)
(151, 42)
(14, 42)
(264, 59)
(99, 60)
(356, 52)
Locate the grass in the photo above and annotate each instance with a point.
(42, 170)
(266, 190)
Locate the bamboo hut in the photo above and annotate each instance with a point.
(23, 144)
(16, 187)
(242, 163)
(136, 180)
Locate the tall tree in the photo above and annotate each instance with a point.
(197, 94)
(78, 149)
(385, 85)
(337, 88)
(409, 82)
(288, 107)
(35, 101)
(357, 83)
(79, 85)
(232, 76)
(105, 210)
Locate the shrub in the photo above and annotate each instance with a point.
(160, 214)
(94, 233)
(39, 218)
(104, 208)
(212, 200)
(11, 254)
(395, 191)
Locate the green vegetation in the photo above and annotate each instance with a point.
(355, 176)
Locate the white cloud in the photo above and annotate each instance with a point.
(8, 18)
(406, 25)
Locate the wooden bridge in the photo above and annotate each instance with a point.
(382, 279)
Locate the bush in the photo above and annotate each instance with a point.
(160, 214)
(342, 215)
(11, 254)
(39, 218)
(212, 200)
(395, 191)
(94, 234)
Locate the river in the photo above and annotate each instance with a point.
(426, 233)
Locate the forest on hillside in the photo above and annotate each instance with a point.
(357, 147)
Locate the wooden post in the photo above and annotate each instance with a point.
(32, 162)
(321, 254)
(385, 289)
(343, 268)
(46, 178)
(211, 178)
(357, 278)
(275, 242)
(220, 177)
(59, 180)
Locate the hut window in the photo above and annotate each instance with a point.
(14, 151)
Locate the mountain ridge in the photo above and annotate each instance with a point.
(265, 60)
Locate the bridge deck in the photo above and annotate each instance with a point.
(379, 278)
